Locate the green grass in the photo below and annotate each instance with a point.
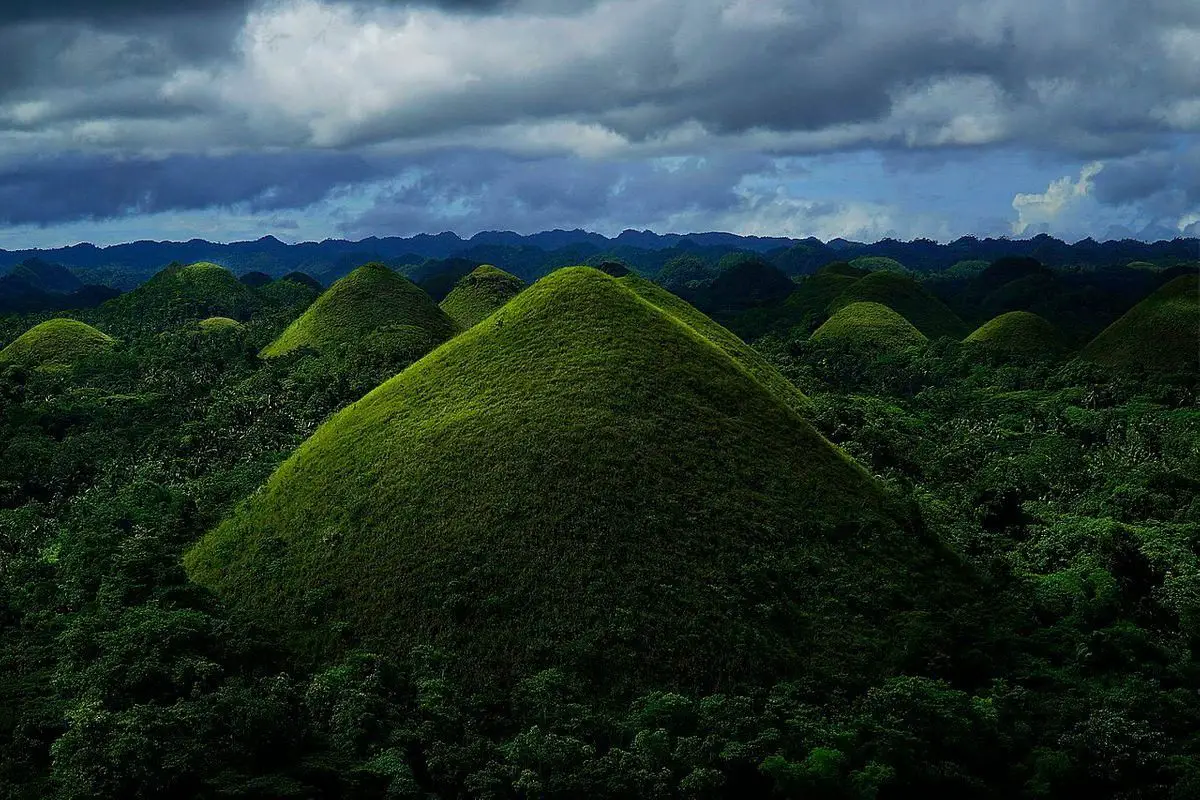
(907, 298)
(368, 299)
(1161, 333)
(219, 325)
(743, 354)
(1017, 333)
(583, 480)
(870, 326)
(56, 342)
(478, 294)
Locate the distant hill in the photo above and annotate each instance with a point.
(179, 295)
(806, 306)
(55, 342)
(909, 299)
(1161, 333)
(582, 481)
(364, 302)
(870, 326)
(125, 266)
(478, 294)
(1017, 333)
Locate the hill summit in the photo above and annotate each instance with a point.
(584, 481)
(55, 342)
(478, 294)
(1017, 333)
(370, 300)
(1161, 333)
(178, 295)
(869, 325)
(907, 298)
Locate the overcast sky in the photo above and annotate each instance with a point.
(228, 119)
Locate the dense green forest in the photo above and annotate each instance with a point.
(874, 532)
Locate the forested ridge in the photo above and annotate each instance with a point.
(1050, 480)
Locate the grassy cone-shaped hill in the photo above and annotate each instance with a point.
(582, 480)
(370, 298)
(869, 326)
(55, 342)
(1161, 333)
(1017, 333)
(907, 298)
(477, 295)
(178, 295)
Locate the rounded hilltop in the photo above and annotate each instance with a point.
(56, 342)
(1017, 333)
(369, 300)
(479, 293)
(869, 326)
(219, 325)
(907, 298)
(1161, 333)
(178, 295)
(585, 481)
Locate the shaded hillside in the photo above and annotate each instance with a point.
(363, 303)
(802, 310)
(587, 482)
(1161, 333)
(907, 298)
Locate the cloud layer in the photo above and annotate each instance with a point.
(526, 112)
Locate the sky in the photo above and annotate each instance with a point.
(310, 119)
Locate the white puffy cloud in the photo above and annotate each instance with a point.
(1061, 197)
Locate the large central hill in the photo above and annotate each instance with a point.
(1160, 333)
(582, 480)
(364, 302)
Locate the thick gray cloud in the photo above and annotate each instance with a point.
(533, 110)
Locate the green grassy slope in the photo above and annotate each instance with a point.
(582, 480)
(55, 342)
(907, 298)
(477, 295)
(869, 325)
(1018, 333)
(1161, 333)
(746, 356)
(370, 298)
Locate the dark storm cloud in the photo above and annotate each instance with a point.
(1175, 172)
(73, 187)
